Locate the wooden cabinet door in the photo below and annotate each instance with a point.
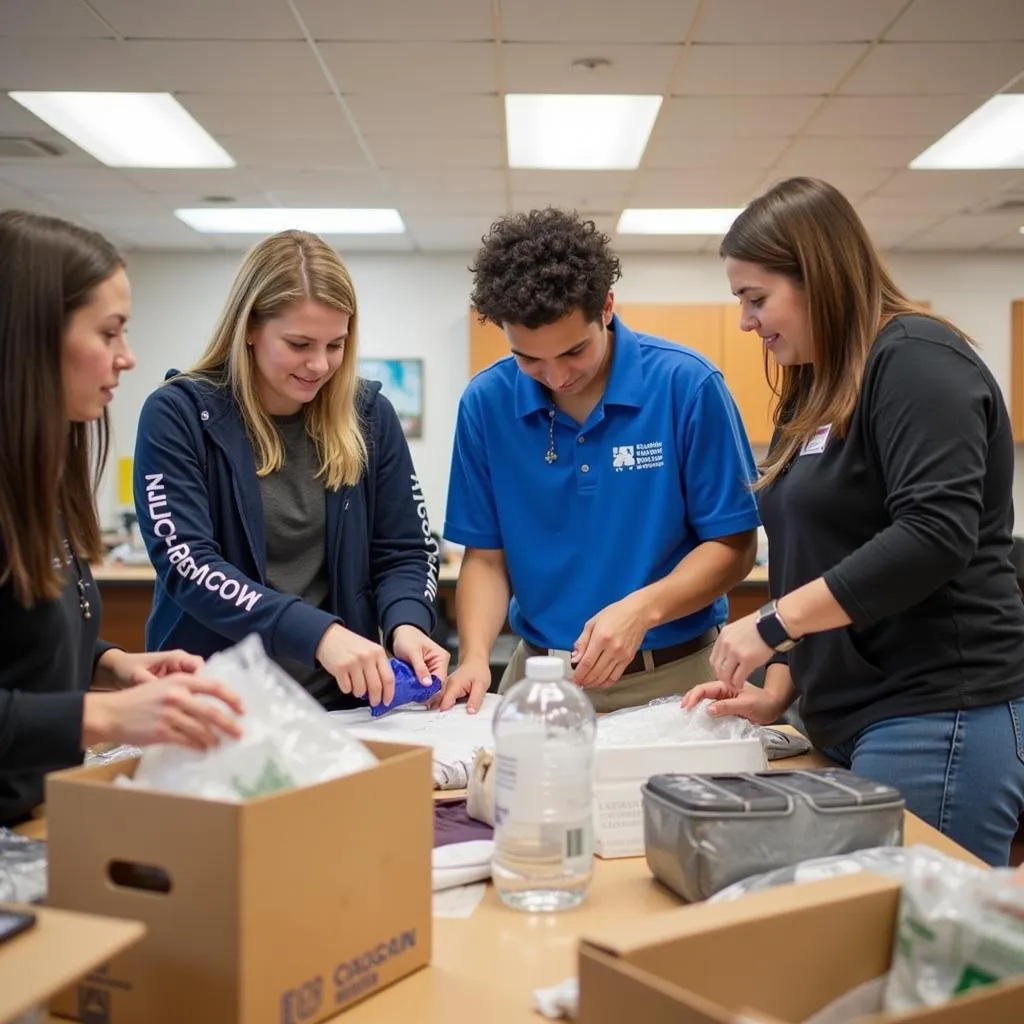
(487, 344)
(743, 367)
(696, 326)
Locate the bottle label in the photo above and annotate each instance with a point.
(548, 785)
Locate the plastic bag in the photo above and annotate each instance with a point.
(665, 721)
(288, 738)
(125, 752)
(890, 861)
(22, 868)
(959, 927)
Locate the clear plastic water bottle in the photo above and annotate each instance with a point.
(544, 732)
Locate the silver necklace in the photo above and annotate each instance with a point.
(84, 604)
(551, 455)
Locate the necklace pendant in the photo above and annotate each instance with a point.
(86, 611)
(551, 457)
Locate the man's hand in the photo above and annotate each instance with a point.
(609, 642)
(471, 679)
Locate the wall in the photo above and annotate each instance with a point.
(417, 306)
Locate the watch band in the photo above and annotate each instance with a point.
(773, 630)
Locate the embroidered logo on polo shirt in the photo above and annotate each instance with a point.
(623, 457)
(650, 455)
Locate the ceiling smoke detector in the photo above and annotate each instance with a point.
(590, 64)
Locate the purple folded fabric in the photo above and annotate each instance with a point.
(453, 825)
(408, 689)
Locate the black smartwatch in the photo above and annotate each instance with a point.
(773, 630)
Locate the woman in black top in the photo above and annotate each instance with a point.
(64, 303)
(886, 497)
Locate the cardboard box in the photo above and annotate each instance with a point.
(776, 957)
(284, 909)
(58, 949)
(621, 771)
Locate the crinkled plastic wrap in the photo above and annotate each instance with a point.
(959, 927)
(665, 721)
(124, 752)
(703, 833)
(22, 868)
(288, 739)
(889, 861)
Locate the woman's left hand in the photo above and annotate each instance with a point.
(738, 650)
(426, 657)
(126, 669)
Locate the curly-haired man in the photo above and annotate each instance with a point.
(600, 479)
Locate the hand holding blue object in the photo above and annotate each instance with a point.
(408, 689)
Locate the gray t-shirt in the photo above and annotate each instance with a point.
(294, 528)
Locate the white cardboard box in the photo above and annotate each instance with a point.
(621, 771)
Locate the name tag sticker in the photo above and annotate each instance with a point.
(815, 444)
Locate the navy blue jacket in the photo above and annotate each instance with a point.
(199, 507)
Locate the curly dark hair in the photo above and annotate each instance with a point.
(535, 268)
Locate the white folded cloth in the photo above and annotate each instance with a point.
(559, 1002)
(461, 863)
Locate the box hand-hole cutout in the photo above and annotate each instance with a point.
(144, 877)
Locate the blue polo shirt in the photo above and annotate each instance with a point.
(661, 465)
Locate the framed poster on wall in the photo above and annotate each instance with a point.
(402, 382)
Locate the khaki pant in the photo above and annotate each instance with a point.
(633, 690)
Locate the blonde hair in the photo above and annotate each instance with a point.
(279, 272)
(808, 230)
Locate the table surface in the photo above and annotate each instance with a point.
(485, 967)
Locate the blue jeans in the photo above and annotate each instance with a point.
(961, 771)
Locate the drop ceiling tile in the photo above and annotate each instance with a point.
(228, 66)
(276, 116)
(712, 154)
(580, 22)
(200, 19)
(418, 114)
(683, 188)
(795, 21)
(39, 18)
(397, 20)
(429, 151)
(412, 67)
(892, 115)
(734, 116)
(331, 152)
(957, 21)
(777, 70)
(869, 152)
(71, 64)
(935, 69)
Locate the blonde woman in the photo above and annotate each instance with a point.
(276, 493)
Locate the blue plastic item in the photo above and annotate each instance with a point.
(408, 689)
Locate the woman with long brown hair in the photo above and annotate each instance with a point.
(64, 303)
(276, 493)
(886, 495)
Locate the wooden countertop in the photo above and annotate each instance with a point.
(449, 572)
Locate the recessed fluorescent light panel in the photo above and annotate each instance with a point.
(677, 222)
(991, 138)
(578, 133)
(128, 129)
(268, 220)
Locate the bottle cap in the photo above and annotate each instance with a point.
(545, 668)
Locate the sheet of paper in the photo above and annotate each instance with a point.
(459, 902)
(454, 735)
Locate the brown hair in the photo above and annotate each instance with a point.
(49, 467)
(276, 273)
(808, 230)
